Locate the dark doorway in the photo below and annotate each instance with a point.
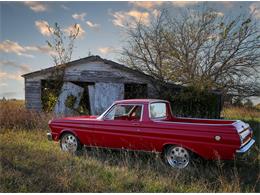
(84, 105)
(50, 91)
(135, 90)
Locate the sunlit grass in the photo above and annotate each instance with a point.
(30, 163)
(242, 113)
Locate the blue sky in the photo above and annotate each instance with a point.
(23, 31)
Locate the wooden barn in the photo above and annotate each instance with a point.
(94, 83)
(104, 81)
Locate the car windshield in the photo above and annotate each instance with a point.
(124, 112)
(157, 110)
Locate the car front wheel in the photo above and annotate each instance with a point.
(70, 143)
(177, 157)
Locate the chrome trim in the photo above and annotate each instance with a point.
(49, 136)
(101, 117)
(192, 123)
(245, 133)
(240, 126)
(246, 147)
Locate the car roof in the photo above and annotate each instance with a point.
(139, 101)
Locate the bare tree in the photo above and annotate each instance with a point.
(202, 49)
(61, 44)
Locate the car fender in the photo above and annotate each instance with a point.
(186, 146)
(69, 131)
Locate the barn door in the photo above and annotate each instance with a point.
(69, 99)
(102, 95)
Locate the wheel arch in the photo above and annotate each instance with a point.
(64, 131)
(192, 150)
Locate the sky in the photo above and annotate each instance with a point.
(24, 31)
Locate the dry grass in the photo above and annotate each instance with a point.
(13, 115)
(30, 163)
(244, 113)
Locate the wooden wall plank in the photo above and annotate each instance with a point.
(33, 95)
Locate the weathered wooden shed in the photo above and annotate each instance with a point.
(97, 82)
(105, 81)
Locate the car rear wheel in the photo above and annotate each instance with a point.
(177, 157)
(70, 143)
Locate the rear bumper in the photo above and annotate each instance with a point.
(49, 136)
(246, 147)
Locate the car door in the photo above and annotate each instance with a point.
(120, 127)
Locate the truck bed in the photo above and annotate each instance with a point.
(202, 121)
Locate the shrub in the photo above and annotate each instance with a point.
(192, 102)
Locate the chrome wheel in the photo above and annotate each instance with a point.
(177, 157)
(69, 143)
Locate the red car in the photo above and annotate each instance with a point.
(148, 125)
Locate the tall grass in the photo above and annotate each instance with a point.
(13, 115)
(30, 163)
(243, 113)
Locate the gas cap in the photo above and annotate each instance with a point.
(217, 138)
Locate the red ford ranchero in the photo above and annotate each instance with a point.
(148, 125)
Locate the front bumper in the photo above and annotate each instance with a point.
(246, 147)
(49, 136)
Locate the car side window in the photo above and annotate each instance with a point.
(136, 113)
(124, 112)
(157, 110)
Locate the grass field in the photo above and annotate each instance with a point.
(30, 163)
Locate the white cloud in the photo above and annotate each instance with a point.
(255, 9)
(74, 28)
(220, 14)
(21, 67)
(41, 49)
(11, 76)
(147, 4)
(43, 27)
(183, 3)
(92, 25)
(8, 46)
(106, 50)
(36, 6)
(81, 16)
(45, 49)
(122, 18)
(156, 13)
